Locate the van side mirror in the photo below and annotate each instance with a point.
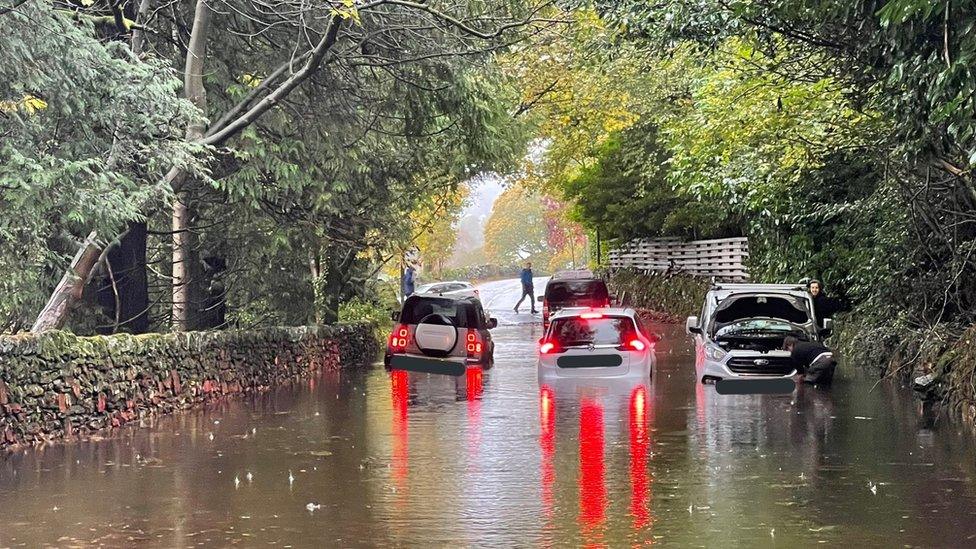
(395, 316)
(492, 323)
(828, 326)
(691, 325)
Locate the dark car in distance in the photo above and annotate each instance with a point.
(580, 288)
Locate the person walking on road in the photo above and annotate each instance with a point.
(527, 290)
(813, 359)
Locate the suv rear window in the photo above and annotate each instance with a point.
(461, 313)
(577, 290)
(575, 331)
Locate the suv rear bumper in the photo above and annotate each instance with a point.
(466, 362)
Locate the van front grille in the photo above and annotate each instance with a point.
(762, 365)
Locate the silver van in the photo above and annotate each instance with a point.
(740, 332)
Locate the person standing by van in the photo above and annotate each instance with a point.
(408, 280)
(527, 289)
(823, 305)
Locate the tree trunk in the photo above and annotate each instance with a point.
(124, 293)
(182, 238)
(70, 288)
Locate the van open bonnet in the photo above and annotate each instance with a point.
(792, 309)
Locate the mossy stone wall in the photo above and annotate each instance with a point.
(56, 385)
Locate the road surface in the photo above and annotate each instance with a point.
(369, 458)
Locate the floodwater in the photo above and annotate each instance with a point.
(370, 458)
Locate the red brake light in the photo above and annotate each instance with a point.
(473, 344)
(637, 345)
(591, 315)
(398, 339)
(547, 347)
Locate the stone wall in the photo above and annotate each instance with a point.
(56, 385)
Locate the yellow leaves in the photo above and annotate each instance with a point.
(250, 80)
(28, 104)
(347, 11)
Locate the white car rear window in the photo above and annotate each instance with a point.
(576, 331)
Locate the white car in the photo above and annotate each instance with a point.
(453, 288)
(588, 342)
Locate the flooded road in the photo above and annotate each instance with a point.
(371, 458)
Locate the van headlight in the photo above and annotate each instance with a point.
(714, 352)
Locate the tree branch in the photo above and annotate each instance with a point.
(314, 61)
(7, 9)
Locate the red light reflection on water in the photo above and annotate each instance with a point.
(547, 442)
(474, 385)
(399, 390)
(592, 490)
(639, 443)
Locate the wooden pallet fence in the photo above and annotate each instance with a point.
(723, 259)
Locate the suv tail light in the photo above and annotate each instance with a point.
(399, 338)
(473, 344)
(545, 313)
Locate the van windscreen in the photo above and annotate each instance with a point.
(576, 290)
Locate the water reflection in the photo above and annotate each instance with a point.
(639, 447)
(600, 410)
(495, 459)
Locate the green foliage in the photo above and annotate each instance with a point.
(674, 296)
(372, 311)
(626, 194)
(86, 134)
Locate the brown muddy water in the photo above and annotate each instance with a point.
(370, 458)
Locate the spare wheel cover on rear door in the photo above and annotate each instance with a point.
(436, 335)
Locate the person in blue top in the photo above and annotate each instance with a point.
(527, 290)
(408, 281)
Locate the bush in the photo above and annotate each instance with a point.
(672, 296)
(476, 273)
(377, 314)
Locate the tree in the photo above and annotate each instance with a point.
(516, 229)
(303, 103)
(436, 222)
(86, 132)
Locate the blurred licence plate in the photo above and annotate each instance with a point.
(427, 365)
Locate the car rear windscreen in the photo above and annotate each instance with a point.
(460, 313)
(575, 331)
(577, 290)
